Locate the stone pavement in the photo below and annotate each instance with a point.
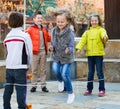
(55, 100)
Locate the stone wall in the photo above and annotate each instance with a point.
(2, 73)
(113, 49)
(111, 70)
(2, 52)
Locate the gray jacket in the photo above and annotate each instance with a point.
(61, 41)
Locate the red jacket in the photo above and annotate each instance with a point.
(35, 37)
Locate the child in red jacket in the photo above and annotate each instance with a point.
(40, 38)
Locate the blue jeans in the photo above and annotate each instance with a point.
(98, 61)
(15, 76)
(62, 73)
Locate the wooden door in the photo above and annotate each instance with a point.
(112, 18)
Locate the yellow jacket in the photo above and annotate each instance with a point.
(93, 39)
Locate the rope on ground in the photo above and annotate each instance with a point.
(15, 84)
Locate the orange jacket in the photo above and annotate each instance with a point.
(35, 37)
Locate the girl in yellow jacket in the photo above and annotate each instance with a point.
(94, 38)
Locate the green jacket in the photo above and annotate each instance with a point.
(93, 39)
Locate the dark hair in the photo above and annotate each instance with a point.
(94, 15)
(47, 24)
(37, 13)
(15, 20)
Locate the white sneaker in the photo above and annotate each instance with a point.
(71, 98)
(60, 86)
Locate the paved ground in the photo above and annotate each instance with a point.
(55, 100)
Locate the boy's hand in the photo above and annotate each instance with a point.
(51, 48)
(67, 50)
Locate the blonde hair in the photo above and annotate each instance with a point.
(63, 11)
(69, 17)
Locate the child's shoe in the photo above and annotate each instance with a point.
(87, 93)
(33, 89)
(101, 93)
(44, 89)
(71, 98)
(60, 86)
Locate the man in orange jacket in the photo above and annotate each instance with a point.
(40, 38)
